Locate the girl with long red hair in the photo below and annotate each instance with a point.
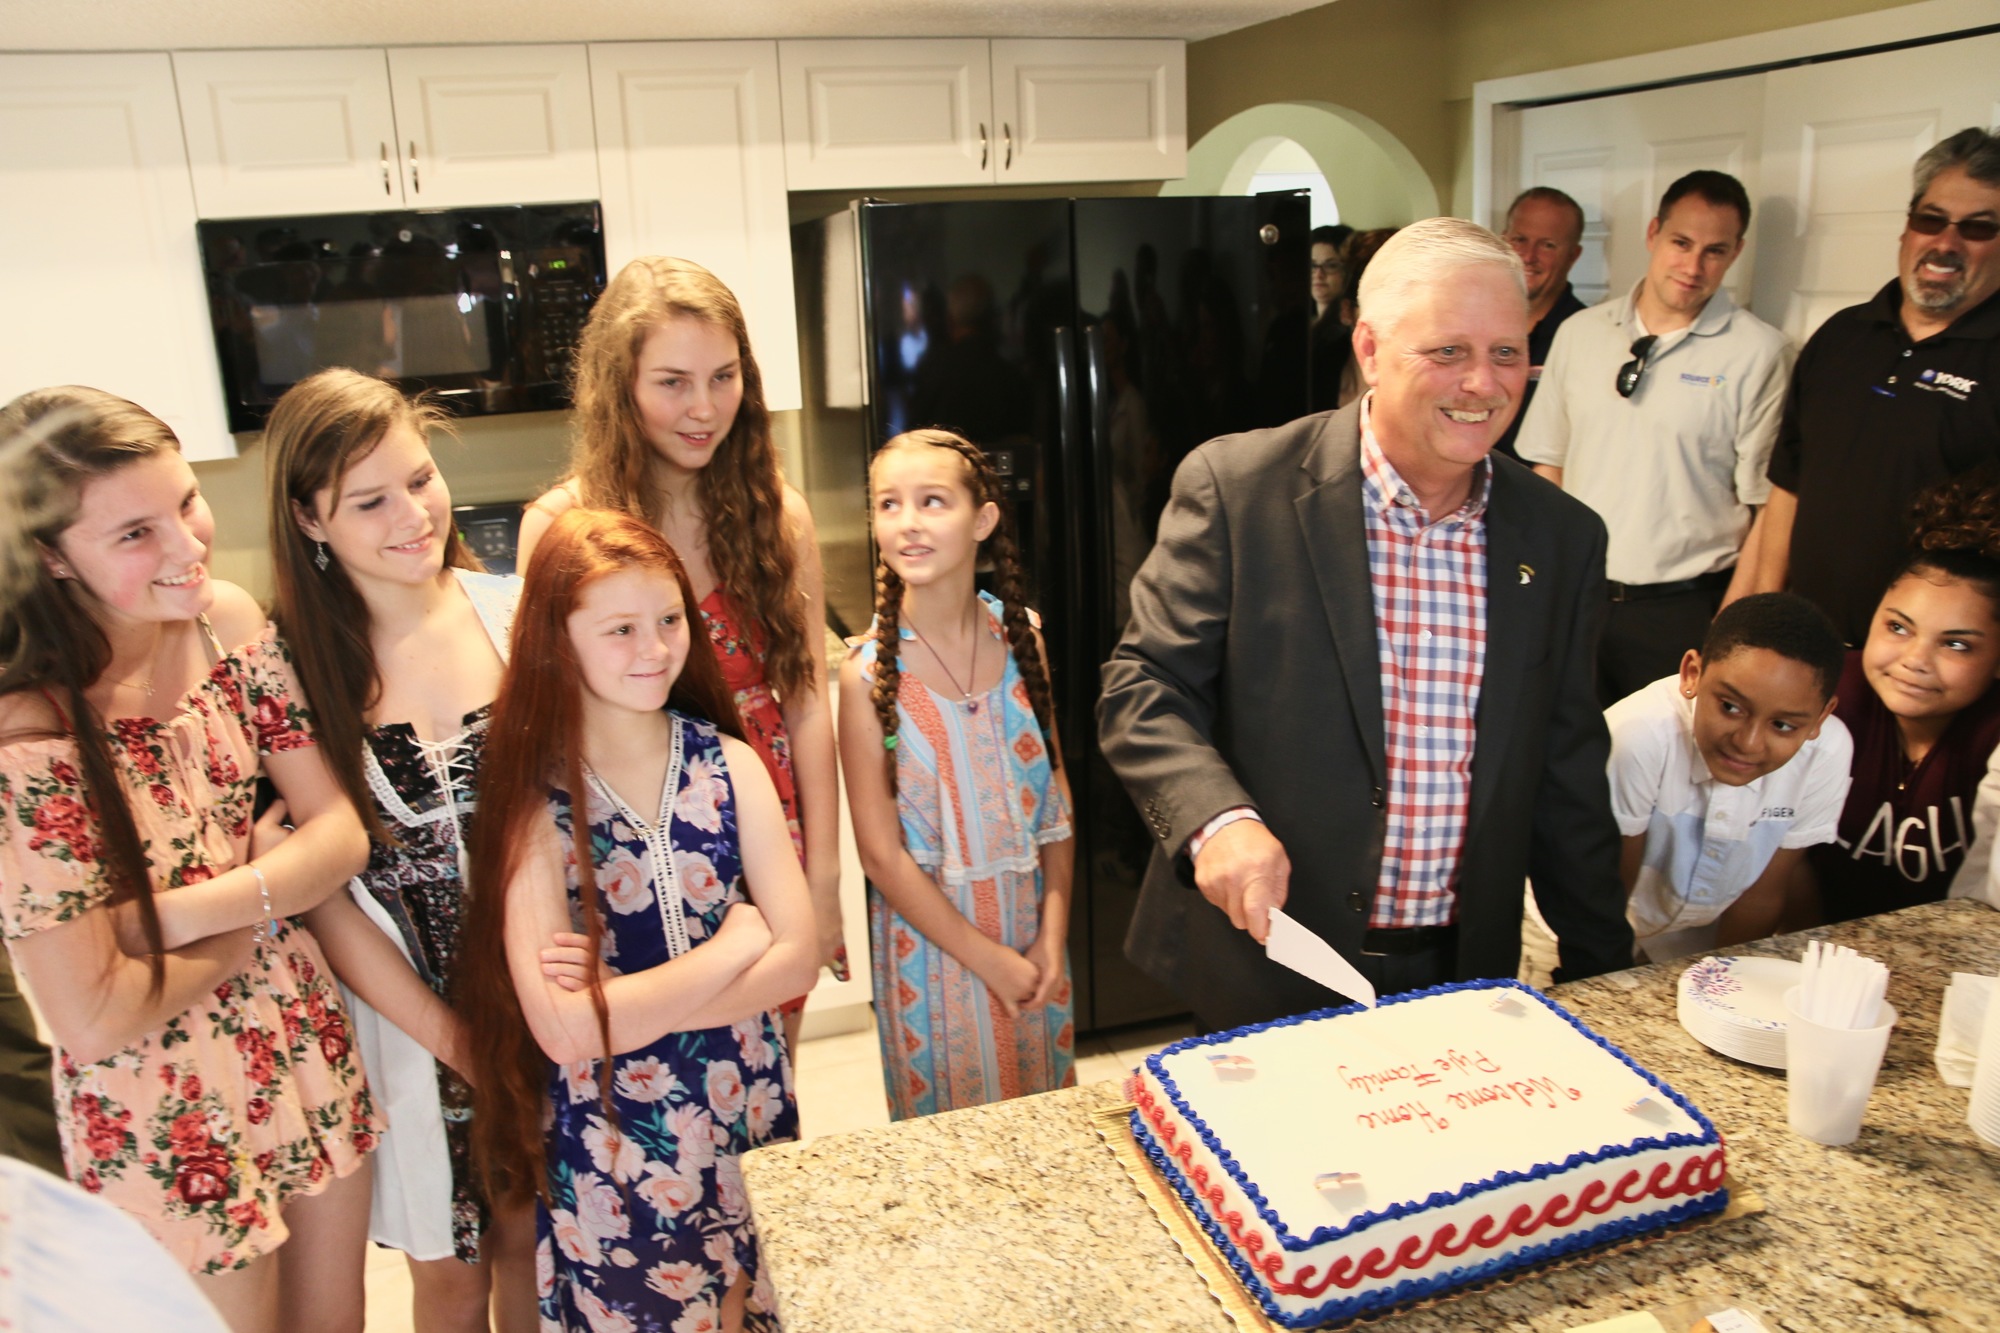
(621, 806)
(671, 427)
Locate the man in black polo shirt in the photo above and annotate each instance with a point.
(1893, 395)
(1545, 228)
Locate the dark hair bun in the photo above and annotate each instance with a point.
(1961, 516)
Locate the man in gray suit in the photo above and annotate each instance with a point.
(1357, 681)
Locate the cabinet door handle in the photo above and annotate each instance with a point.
(1007, 163)
(385, 167)
(982, 145)
(416, 181)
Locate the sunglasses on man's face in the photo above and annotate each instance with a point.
(1969, 229)
(1629, 373)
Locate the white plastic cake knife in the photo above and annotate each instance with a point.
(1292, 945)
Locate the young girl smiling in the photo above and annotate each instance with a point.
(962, 820)
(619, 803)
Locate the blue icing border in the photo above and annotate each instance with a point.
(1441, 1198)
(1411, 1289)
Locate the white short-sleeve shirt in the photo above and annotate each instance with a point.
(1706, 841)
(1675, 469)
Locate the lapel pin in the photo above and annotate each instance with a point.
(1527, 573)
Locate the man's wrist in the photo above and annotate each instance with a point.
(1200, 837)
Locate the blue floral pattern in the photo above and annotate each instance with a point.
(648, 1223)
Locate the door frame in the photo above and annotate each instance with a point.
(1495, 101)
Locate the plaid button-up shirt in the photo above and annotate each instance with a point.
(1429, 582)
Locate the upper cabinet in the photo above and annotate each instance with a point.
(100, 273)
(884, 114)
(692, 158)
(338, 131)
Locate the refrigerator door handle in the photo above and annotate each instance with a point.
(1078, 677)
(1097, 379)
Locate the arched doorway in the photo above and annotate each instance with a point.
(1374, 180)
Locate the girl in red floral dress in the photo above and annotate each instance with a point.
(205, 1080)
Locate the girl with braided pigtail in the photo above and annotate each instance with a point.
(961, 810)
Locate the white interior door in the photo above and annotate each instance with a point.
(494, 124)
(286, 132)
(1617, 155)
(107, 288)
(692, 156)
(1838, 144)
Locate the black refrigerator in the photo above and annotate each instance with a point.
(1087, 345)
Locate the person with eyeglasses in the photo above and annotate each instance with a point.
(1893, 395)
(1659, 410)
(1545, 228)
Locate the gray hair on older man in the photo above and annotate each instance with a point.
(1423, 255)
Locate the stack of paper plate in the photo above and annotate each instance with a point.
(1737, 1006)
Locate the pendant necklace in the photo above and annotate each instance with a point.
(971, 671)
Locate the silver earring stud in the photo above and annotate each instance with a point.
(321, 559)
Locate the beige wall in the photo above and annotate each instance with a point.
(1410, 64)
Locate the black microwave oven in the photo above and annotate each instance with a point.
(481, 306)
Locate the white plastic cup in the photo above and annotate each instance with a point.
(1983, 1111)
(1829, 1072)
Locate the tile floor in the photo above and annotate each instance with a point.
(840, 1090)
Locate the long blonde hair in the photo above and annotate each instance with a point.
(741, 494)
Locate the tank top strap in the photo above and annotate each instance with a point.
(210, 643)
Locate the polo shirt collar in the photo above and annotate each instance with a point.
(1698, 770)
(1383, 488)
(1713, 319)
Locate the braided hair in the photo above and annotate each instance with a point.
(1004, 557)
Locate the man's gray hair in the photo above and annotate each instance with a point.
(1972, 149)
(1421, 256)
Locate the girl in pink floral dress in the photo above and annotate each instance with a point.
(205, 1079)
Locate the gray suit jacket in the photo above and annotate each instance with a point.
(1248, 676)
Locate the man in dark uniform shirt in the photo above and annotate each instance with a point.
(1892, 396)
(1545, 227)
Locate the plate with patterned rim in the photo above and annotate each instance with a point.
(1736, 1005)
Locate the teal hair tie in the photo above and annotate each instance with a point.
(889, 742)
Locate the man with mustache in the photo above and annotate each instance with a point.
(1545, 227)
(1893, 395)
(1356, 683)
(1658, 410)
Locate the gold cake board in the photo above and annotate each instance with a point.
(1114, 1126)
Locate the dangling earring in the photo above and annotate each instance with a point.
(320, 559)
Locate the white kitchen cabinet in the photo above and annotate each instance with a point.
(348, 130)
(691, 157)
(887, 114)
(1090, 110)
(102, 277)
(494, 124)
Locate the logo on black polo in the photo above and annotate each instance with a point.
(1952, 386)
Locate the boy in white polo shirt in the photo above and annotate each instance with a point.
(1722, 776)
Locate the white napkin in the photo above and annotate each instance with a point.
(1959, 1026)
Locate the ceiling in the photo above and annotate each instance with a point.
(148, 25)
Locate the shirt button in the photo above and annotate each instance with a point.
(1423, 731)
(1354, 902)
(1906, 351)
(1424, 634)
(1892, 379)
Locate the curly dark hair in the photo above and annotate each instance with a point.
(1955, 531)
(999, 548)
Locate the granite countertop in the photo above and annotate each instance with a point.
(1017, 1216)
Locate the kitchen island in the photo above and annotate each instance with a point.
(1017, 1216)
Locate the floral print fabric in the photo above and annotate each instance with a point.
(650, 1223)
(202, 1129)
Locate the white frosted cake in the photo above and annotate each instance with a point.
(1355, 1159)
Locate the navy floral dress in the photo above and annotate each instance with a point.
(649, 1223)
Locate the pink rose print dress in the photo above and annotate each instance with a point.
(978, 800)
(649, 1223)
(205, 1128)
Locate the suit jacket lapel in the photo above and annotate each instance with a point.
(1337, 543)
(1516, 619)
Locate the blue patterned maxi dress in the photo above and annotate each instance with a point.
(650, 1223)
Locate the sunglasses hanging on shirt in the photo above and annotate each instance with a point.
(1629, 373)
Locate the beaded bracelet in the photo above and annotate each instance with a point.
(264, 899)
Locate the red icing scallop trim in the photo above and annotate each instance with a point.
(1697, 1175)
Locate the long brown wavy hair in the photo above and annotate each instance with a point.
(535, 744)
(983, 484)
(741, 493)
(57, 441)
(322, 427)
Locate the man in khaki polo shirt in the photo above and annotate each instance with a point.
(1658, 410)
